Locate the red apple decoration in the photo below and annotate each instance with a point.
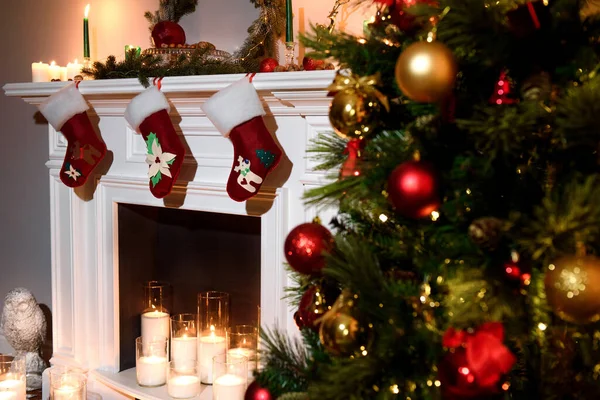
(168, 33)
(268, 65)
(310, 64)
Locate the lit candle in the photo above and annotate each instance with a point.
(63, 74)
(86, 33)
(183, 387)
(151, 371)
(73, 69)
(229, 387)
(40, 72)
(12, 389)
(155, 323)
(184, 348)
(249, 354)
(54, 71)
(69, 392)
(289, 21)
(209, 346)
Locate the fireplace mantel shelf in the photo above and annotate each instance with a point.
(272, 82)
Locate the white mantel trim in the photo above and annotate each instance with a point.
(275, 82)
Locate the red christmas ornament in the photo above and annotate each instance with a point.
(515, 272)
(305, 245)
(413, 189)
(268, 65)
(298, 320)
(257, 392)
(310, 64)
(353, 150)
(168, 33)
(476, 364)
(502, 91)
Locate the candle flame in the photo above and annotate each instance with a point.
(53, 63)
(87, 11)
(76, 61)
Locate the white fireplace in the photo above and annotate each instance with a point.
(85, 222)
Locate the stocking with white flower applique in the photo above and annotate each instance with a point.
(66, 111)
(237, 113)
(148, 114)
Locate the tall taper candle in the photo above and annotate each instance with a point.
(86, 33)
(289, 22)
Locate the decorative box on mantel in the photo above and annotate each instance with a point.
(112, 231)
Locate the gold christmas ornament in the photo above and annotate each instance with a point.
(425, 72)
(356, 108)
(573, 288)
(342, 332)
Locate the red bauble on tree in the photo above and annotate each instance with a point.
(168, 33)
(315, 302)
(305, 245)
(257, 392)
(268, 65)
(414, 189)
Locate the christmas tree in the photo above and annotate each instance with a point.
(464, 262)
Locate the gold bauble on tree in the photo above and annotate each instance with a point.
(425, 72)
(354, 114)
(573, 288)
(343, 333)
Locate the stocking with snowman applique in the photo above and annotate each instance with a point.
(237, 113)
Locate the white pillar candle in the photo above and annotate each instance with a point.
(73, 69)
(69, 392)
(208, 347)
(155, 323)
(13, 389)
(54, 71)
(249, 354)
(183, 387)
(63, 74)
(229, 387)
(184, 348)
(151, 371)
(39, 72)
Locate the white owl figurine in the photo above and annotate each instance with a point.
(23, 324)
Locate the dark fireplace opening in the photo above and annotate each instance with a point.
(195, 252)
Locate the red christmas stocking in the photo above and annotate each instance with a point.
(66, 111)
(236, 112)
(148, 113)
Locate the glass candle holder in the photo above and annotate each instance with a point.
(12, 378)
(242, 340)
(183, 382)
(213, 321)
(152, 355)
(184, 341)
(155, 313)
(231, 377)
(67, 384)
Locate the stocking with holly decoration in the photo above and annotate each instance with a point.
(66, 111)
(237, 113)
(148, 113)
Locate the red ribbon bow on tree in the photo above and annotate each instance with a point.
(487, 356)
